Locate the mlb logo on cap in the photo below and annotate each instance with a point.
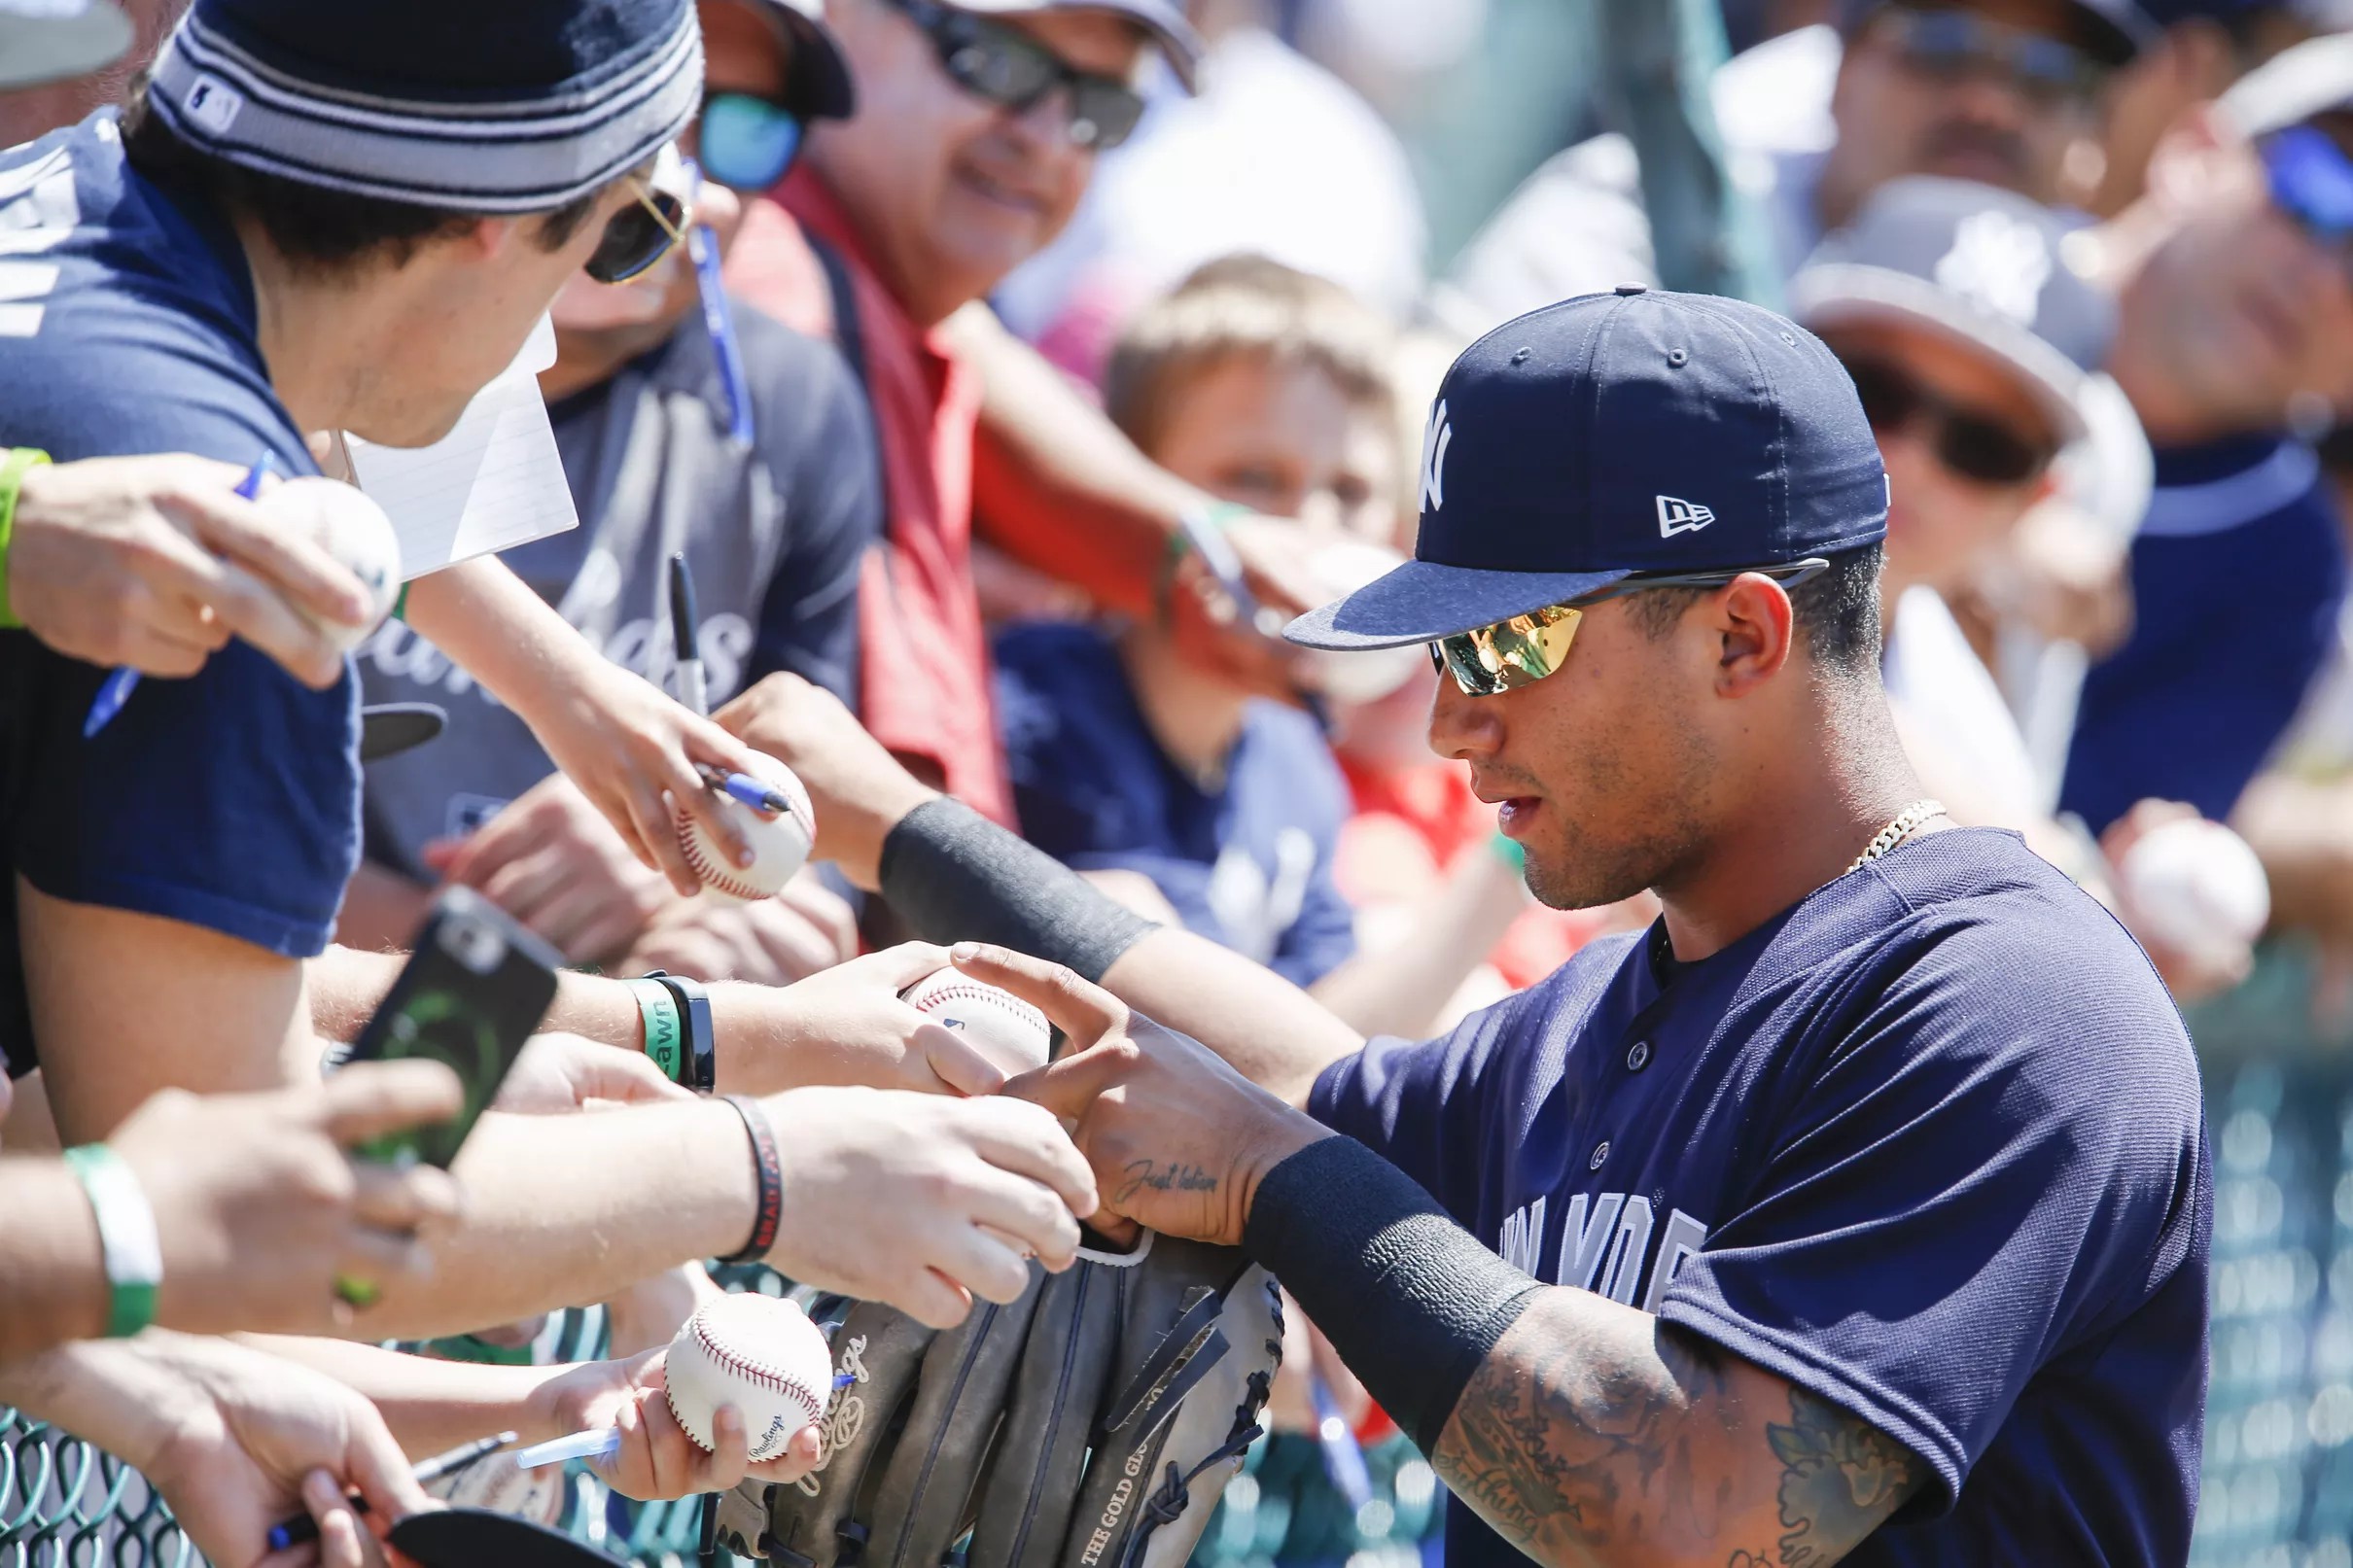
(1614, 435)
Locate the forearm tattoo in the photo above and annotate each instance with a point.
(1574, 1464)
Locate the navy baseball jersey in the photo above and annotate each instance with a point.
(1928, 1144)
(1247, 864)
(2238, 574)
(229, 800)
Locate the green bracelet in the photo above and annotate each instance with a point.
(19, 462)
(665, 1031)
(127, 1236)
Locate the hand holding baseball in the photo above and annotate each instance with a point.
(1178, 1139)
(850, 1027)
(657, 1458)
(858, 788)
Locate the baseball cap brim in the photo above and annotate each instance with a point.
(2109, 31)
(1832, 295)
(1423, 601)
(821, 87)
(53, 46)
(1165, 24)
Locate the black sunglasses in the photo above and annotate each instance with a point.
(645, 230)
(1009, 68)
(1973, 445)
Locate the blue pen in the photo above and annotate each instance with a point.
(745, 789)
(124, 679)
(702, 246)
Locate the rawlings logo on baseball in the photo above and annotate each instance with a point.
(780, 845)
(757, 1353)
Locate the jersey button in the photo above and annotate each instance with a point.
(1600, 1153)
(1638, 1058)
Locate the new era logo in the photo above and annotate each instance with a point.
(1681, 518)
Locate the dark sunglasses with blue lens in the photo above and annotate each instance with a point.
(1948, 45)
(2311, 181)
(1006, 67)
(745, 143)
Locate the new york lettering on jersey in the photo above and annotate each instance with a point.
(1928, 1144)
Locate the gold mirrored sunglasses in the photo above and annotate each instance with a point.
(1488, 660)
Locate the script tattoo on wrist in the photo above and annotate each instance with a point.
(1172, 1177)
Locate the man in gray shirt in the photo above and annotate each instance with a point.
(773, 527)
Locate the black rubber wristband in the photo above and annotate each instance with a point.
(954, 876)
(702, 1043)
(1411, 1301)
(769, 1211)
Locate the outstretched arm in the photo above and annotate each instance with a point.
(958, 878)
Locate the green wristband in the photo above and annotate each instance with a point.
(665, 1031)
(127, 1236)
(18, 462)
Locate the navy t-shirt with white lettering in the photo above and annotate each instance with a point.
(1247, 862)
(1928, 1144)
(229, 801)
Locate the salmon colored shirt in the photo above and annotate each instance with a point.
(924, 683)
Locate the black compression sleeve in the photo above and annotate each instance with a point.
(954, 876)
(1411, 1301)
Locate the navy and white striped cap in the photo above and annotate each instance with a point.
(511, 106)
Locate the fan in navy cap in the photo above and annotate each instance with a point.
(1856, 1211)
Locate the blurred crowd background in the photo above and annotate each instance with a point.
(2088, 264)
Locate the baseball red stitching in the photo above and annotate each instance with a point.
(760, 1375)
(709, 875)
(975, 991)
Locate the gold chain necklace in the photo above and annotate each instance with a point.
(1907, 823)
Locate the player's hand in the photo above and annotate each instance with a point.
(657, 1460)
(555, 863)
(1178, 1139)
(632, 751)
(921, 1201)
(155, 562)
(1211, 629)
(847, 1029)
(856, 789)
(259, 1207)
(247, 1440)
(558, 1074)
(805, 928)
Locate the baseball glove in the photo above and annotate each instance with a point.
(1089, 1424)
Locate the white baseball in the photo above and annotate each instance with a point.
(2194, 885)
(1012, 1033)
(757, 1353)
(780, 845)
(352, 527)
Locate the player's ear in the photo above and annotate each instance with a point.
(1755, 630)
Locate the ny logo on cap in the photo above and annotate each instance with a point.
(1434, 441)
(2000, 262)
(1681, 516)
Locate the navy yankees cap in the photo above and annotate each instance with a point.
(519, 106)
(1618, 433)
(1975, 263)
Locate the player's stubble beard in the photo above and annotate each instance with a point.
(1653, 826)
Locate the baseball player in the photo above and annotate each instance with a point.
(1856, 1211)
